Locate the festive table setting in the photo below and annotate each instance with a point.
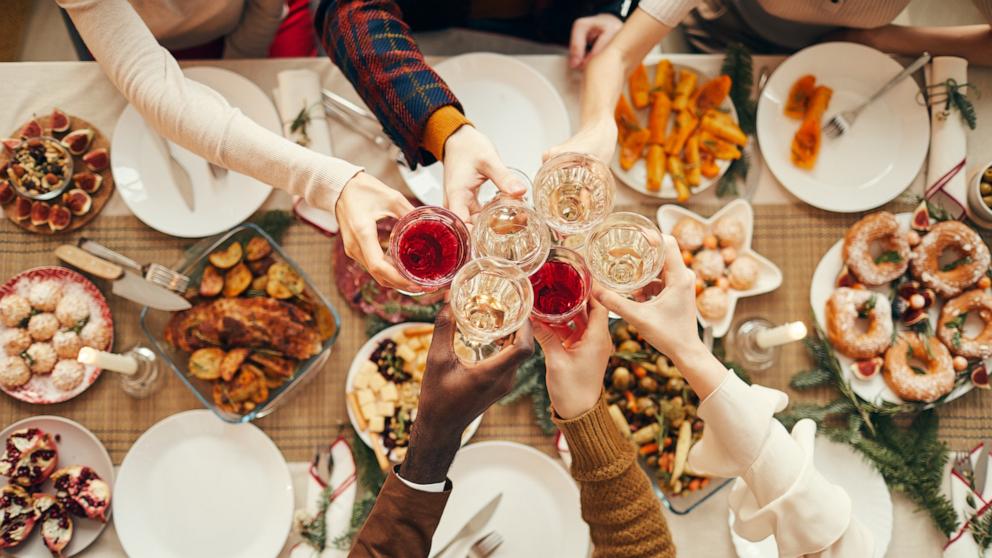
(769, 230)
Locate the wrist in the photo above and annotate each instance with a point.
(430, 455)
(578, 405)
(693, 351)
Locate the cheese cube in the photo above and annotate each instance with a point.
(370, 411)
(368, 367)
(406, 353)
(376, 382)
(389, 392)
(377, 424)
(361, 380)
(385, 408)
(365, 396)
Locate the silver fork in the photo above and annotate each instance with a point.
(842, 121)
(484, 547)
(156, 273)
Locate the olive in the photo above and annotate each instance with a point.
(649, 384)
(646, 406)
(629, 346)
(675, 384)
(987, 175)
(987, 200)
(621, 379)
(985, 188)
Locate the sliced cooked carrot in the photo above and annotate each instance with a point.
(723, 126)
(685, 124)
(625, 117)
(632, 147)
(712, 93)
(683, 89)
(640, 89)
(677, 171)
(648, 449)
(799, 96)
(656, 170)
(693, 172)
(661, 109)
(664, 78)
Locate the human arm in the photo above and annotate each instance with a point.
(972, 42)
(254, 34)
(618, 504)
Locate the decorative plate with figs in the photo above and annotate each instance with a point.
(55, 174)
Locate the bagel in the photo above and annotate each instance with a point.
(912, 383)
(951, 324)
(883, 228)
(950, 279)
(844, 307)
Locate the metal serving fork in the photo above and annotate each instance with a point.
(842, 121)
(484, 547)
(156, 273)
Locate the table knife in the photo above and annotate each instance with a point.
(982, 467)
(475, 524)
(125, 284)
(180, 176)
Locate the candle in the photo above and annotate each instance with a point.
(785, 333)
(108, 361)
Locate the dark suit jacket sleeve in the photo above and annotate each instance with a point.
(402, 522)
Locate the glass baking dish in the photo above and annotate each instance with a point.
(153, 323)
(687, 501)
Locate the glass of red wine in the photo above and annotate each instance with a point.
(561, 289)
(428, 246)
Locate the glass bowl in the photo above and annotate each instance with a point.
(67, 171)
(153, 324)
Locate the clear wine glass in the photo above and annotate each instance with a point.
(573, 192)
(509, 229)
(625, 252)
(490, 298)
(561, 289)
(428, 246)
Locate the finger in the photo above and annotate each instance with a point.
(578, 42)
(599, 315)
(613, 301)
(675, 270)
(376, 264)
(399, 206)
(514, 355)
(548, 340)
(506, 180)
(444, 327)
(602, 39)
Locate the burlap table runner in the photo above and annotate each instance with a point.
(795, 237)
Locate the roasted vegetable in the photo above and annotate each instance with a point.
(717, 147)
(661, 109)
(721, 125)
(625, 118)
(231, 362)
(685, 125)
(711, 94)
(283, 282)
(211, 282)
(707, 164)
(228, 257)
(682, 450)
(799, 96)
(656, 167)
(640, 89)
(205, 363)
(257, 249)
(237, 280)
(632, 147)
(664, 79)
(677, 171)
(805, 147)
(693, 171)
(683, 89)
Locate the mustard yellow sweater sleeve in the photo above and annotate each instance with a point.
(622, 511)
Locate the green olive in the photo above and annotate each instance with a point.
(988, 174)
(629, 346)
(649, 384)
(987, 200)
(621, 379)
(985, 188)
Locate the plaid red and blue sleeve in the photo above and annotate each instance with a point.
(371, 43)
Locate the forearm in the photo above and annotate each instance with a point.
(972, 42)
(700, 367)
(618, 503)
(402, 522)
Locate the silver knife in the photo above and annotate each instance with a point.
(125, 284)
(180, 176)
(474, 525)
(982, 468)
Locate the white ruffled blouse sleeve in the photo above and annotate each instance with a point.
(195, 116)
(779, 491)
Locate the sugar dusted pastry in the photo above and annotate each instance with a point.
(45, 295)
(43, 326)
(67, 344)
(729, 230)
(68, 374)
(689, 233)
(713, 303)
(72, 309)
(14, 309)
(15, 341)
(743, 273)
(41, 357)
(708, 265)
(96, 335)
(14, 372)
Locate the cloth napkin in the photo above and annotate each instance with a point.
(946, 182)
(344, 487)
(962, 544)
(298, 90)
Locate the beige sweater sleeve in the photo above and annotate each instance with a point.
(253, 36)
(669, 12)
(195, 116)
(618, 504)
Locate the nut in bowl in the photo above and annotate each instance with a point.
(39, 168)
(718, 249)
(257, 330)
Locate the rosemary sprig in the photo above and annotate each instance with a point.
(955, 99)
(300, 122)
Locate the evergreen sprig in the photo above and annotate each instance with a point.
(736, 172)
(981, 530)
(954, 98)
(738, 65)
(274, 222)
(530, 380)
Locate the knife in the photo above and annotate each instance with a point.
(982, 468)
(125, 284)
(180, 176)
(474, 525)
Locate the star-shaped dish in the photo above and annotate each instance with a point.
(769, 275)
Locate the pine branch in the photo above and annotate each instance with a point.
(274, 222)
(815, 377)
(738, 65)
(736, 172)
(981, 530)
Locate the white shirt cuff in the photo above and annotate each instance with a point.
(432, 487)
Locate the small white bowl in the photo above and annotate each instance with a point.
(980, 213)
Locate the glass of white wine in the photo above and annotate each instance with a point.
(491, 298)
(625, 252)
(573, 192)
(509, 229)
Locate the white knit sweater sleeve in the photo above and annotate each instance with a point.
(259, 24)
(669, 12)
(195, 116)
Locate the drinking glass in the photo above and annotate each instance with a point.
(428, 246)
(625, 252)
(573, 192)
(561, 289)
(509, 229)
(490, 298)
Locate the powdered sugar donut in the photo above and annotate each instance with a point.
(844, 307)
(67, 344)
(45, 295)
(72, 309)
(884, 229)
(907, 381)
(68, 374)
(15, 341)
(708, 265)
(43, 326)
(14, 372)
(729, 230)
(950, 279)
(14, 309)
(743, 273)
(41, 357)
(689, 233)
(713, 303)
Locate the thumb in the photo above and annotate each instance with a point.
(547, 339)
(613, 301)
(509, 181)
(578, 42)
(444, 326)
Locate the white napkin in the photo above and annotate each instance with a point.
(299, 90)
(338, 515)
(946, 182)
(962, 544)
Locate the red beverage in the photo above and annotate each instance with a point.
(429, 245)
(561, 287)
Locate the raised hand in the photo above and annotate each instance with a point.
(470, 159)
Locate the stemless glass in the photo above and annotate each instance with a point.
(561, 289)
(490, 298)
(573, 192)
(428, 246)
(509, 229)
(625, 252)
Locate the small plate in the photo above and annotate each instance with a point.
(821, 286)
(515, 106)
(195, 486)
(769, 275)
(871, 163)
(871, 504)
(637, 176)
(363, 354)
(77, 446)
(538, 514)
(143, 175)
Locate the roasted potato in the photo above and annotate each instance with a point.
(228, 257)
(211, 282)
(257, 249)
(205, 363)
(259, 283)
(283, 282)
(232, 361)
(237, 280)
(261, 267)
(274, 365)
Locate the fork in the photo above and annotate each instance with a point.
(843, 121)
(484, 547)
(156, 273)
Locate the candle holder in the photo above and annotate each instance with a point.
(755, 342)
(147, 378)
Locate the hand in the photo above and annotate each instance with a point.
(575, 372)
(363, 201)
(453, 394)
(598, 139)
(470, 159)
(589, 36)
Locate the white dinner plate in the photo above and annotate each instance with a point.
(143, 174)
(194, 485)
(877, 158)
(870, 500)
(511, 103)
(821, 286)
(538, 514)
(76, 446)
(363, 354)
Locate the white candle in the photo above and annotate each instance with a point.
(785, 333)
(108, 361)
